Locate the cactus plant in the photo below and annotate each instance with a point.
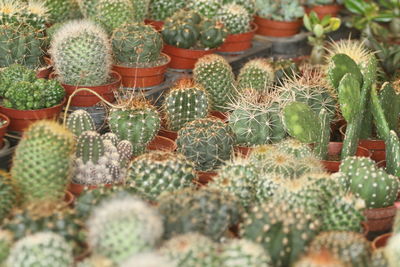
(294, 147)
(6, 240)
(141, 9)
(321, 259)
(35, 14)
(242, 252)
(207, 142)
(62, 10)
(156, 172)
(13, 74)
(42, 163)
(284, 68)
(122, 226)
(392, 250)
(250, 5)
(353, 48)
(215, 74)
(149, 259)
(41, 249)
(235, 18)
(160, 10)
(282, 10)
(393, 154)
(95, 261)
(378, 258)
(111, 14)
(8, 195)
(80, 121)
(88, 7)
(90, 66)
(206, 8)
(257, 74)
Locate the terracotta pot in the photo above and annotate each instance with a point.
(142, 77)
(323, 10)
(380, 219)
(381, 241)
(3, 128)
(334, 149)
(243, 150)
(69, 199)
(77, 189)
(168, 134)
(87, 99)
(158, 25)
(162, 143)
(44, 73)
(220, 115)
(277, 28)
(238, 42)
(184, 58)
(381, 164)
(205, 177)
(21, 119)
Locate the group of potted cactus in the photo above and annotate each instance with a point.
(284, 163)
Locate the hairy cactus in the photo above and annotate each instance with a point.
(136, 44)
(241, 252)
(160, 10)
(81, 53)
(206, 8)
(250, 5)
(80, 121)
(42, 163)
(353, 48)
(207, 211)
(41, 249)
(215, 74)
(235, 18)
(156, 172)
(8, 195)
(137, 121)
(6, 240)
(122, 226)
(295, 148)
(112, 14)
(257, 74)
(62, 10)
(281, 230)
(207, 142)
(88, 7)
(185, 102)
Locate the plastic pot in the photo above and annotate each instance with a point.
(168, 134)
(323, 10)
(162, 143)
(380, 219)
(142, 77)
(277, 28)
(243, 150)
(205, 177)
(184, 58)
(3, 128)
(44, 73)
(156, 24)
(381, 241)
(21, 119)
(238, 42)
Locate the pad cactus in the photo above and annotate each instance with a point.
(8, 195)
(207, 142)
(112, 14)
(215, 74)
(42, 163)
(160, 10)
(257, 74)
(41, 249)
(206, 8)
(295, 148)
(241, 252)
(122, 226)
(6, 240)
(80, 121)
(185, 102)
(81, 53)
(156, 172)
(235, 18)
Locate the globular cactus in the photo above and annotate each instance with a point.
(257, 74)
(242, 252)
(235, 18)
(42, 163)
(206, 8)
(8, 195)
(160, 10)
(111, 137)
(283, 69)
(149, 259)
(35, 14)
(41, 249)
(156, 172)
(95, 261)
(137, 121)
(136, 44)
(207, 142)
(122, 226)
(13, 74)
(265, 187)
(6, 241)
(62, 10)
(255, 119)
(284, 10)
(320, 259)
(215, 74)
(80, 121)
(294, 147)
(141, 9)
(282, 230)
(392, 250)
(250, 5)
(377, 188)
(185, 102)
(353, 48)
(111, 14)
(10, 11)
(349, 247)
(191, 249)
(81, 53)
(276, 162)
(206, 211)
(88, 7)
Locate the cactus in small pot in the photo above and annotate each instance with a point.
(295, 148)
(160, 10)
(235, 18)
(249, 5)
(62, 10)
(141, 9)
(257, 74)
(80, 121)
(13, 74)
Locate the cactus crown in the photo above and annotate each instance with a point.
(356, 50)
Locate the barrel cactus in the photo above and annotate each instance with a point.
(185, 102)
(276, 162)
(81, 53)
(8, 195)
(207, 8)
(88, 7)
(257, 74)
(160, 10)
(207, 142)
(242, 252)
(235, 18)
(250, 5)
(80, 121)
(42, 163)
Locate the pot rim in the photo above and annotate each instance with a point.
(7, 119)
(147, 68)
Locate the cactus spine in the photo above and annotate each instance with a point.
(242, 252)
(80, 121)
(160, 10)
(257, 74)
(235, 18)
(206, 8)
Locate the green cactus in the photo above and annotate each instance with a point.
(137, 44)
(284, 68)
(250, 5)
(81, 54)
(35, 14)
(207, 142)
(215, 74)
(393, 154)
(122, 226)
(257, 74)
(8, 195)
(283, 10)
(185, 102)
(88, 7)
(13, 74)
(295, 148)
(274, 161)
(156, 172)
(41, 249)
(392, 250)
(235, 18)
(283, 231)
(42, 163)
(207, 211)
(6, 240)
(111, 14)
(141, 9)
(206, 8)
(241, 252)
(389, 101)
(265, 187)
(137, 121)
(62, 10)
(10, 11)
(339, 66)
(160, 10)
(95, 261)
(349, 247)
(212, 33)
(80, 121)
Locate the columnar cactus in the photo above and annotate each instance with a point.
(123, 226)
(207, 8)
(156, 172)
(185, 102)
(91, 65)
(80, 121)
(242, 252)
(207, 142)
(235, 18)
(257, 74)
(160, 10)
(42, 163)
(8, 195)
(41, 249)
(215, 74)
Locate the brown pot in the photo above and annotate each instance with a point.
(3, 129)
(162, 143)
(87, 99)
(277, 28)
(77, 189)
(380, 219)
(238, 42)
(44, 73)
(69, 199)
(168, 134)
(142, 77)
(244, 151)
(381, 241)
(205, 177)
(220, 115)
(85, 253)
(21, 119)
(184, 58)
(156, 24)
(323, 10)
(334, 149)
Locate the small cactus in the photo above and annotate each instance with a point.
(80, 121)
(111, 14)
(206, 8)
(295, 148)
(160, 10)
(257, 74)
(235, 18)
